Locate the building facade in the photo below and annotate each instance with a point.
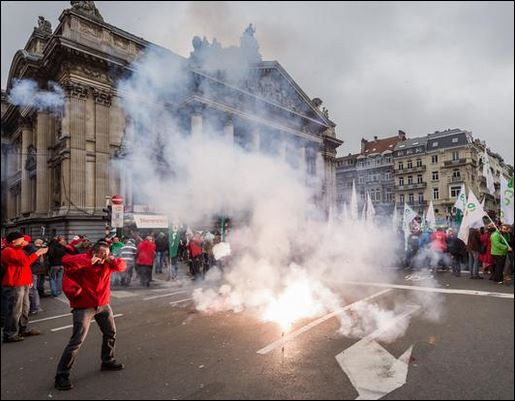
(58, 174)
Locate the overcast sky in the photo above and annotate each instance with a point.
(378, 66)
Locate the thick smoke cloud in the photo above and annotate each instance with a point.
(25, 92)
(287, 262)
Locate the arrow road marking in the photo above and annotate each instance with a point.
(372, 370)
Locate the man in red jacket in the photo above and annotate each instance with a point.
(16, 282)
(145, 260)
(86, 283)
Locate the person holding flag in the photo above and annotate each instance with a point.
(459, 205)
(500, 249)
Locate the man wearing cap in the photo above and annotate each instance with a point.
(16, 283)
(86, 283)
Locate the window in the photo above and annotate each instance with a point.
(434, 159)
(410, 164)
(435, 175)
(387, 176)
(361, 180)
(389, 195)
(455, 191)
(362, 195)
(454, 140)
(401, 181)
(455, 155)
(436, 193)
(420, 198)
(411, 199)
(401, 198)
(378, 195)
(456, 174)
(388, 159)
(410, 179)
(419, 163)
(419, 179)
(435, 144)
(401, 166)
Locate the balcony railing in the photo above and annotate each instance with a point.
(411, 170)
(417, 203)
(456, 179)
(407, 187)
(459, 162)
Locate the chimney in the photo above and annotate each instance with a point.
(402, 135)
(375, 138)
(363, 144)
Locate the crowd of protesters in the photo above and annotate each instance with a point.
(488, 250)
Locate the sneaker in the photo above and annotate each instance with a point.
(30, 333)
(14, 339)
(113, 365)
(63, 383)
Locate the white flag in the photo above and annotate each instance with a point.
(407, 217)
(370, 208)
(395, 218)
(431, 219)
(461, 200)
(345, 212)
(364, 211)
(507, 200)
(354, 202)
(472, 217)
(487, 173)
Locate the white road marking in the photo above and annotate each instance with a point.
(283, 340)
(372, 370)
(63, 300)
(180, 300)
(123, 294)
(49, 318)
(71, 325)
(164, 295)
(432, 289)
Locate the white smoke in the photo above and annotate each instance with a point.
(25, 92)
(285, 264)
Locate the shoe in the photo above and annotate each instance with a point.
(15, 339)
(500, 282)
(62, 382)
(113, 365)
(30, 333)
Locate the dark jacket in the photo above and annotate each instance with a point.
(474, 240)
(56, 251)
(456, 246)
(161, 244)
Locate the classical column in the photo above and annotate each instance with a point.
(42, 171)
(319, 164)
(229, 131)
(26, 139)
(102, 141)
(196, 125)
(75, 184)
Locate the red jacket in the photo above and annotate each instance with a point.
(87, 285)
(195, 246)
(17, 266)
(439, 241)
(145, 254)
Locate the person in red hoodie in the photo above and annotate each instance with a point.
(145, 260)
(195, 248)
(16, 282)
(86, 283)
(439, 247)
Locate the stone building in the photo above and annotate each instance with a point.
(372, 170)
(58, 174)
(434, 167)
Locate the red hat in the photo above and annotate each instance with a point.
(27, 238)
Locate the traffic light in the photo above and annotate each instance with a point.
(108, 210)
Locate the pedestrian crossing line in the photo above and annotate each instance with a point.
(49, 318)
(283, 340)
(180, 301)
(164, 295)
(71, 325)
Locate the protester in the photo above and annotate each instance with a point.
(500, 249)
(473, 248)
(128, 254)
(457, 249)
(145, 260)
(439, 247)
(174, 242)
(485, 255)
(56, 250)
(86, 284)
(161, 252)
(195, 249)
(412, 248)
(116, 248)
(34, 300)
(16, 281)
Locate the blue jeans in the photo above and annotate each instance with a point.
(35, 304)
(160, 260)
(474, 263)
(56, 280)
(172, 272)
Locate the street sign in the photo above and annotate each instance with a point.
(117, 216)
(117, 200)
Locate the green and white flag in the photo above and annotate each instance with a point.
(487, 173)
(507, 200)
(472, 217)
(460, 204)
(407, 217)
(431, 218)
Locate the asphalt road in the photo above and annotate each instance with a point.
(173, 352)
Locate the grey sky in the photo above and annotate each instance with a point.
(378, 66)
